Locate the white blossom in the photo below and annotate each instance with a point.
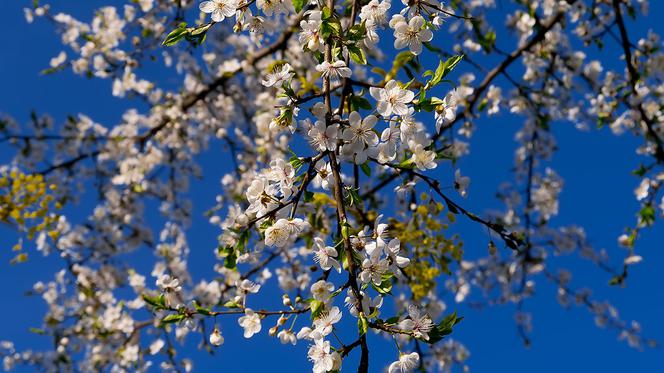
(325, 255)
(220, 9)
(360, 131)
(286, 337)
(406, 363)
(373, 270)
(412, 34)
(461, 183)
(323, 137)
(320, 354)
(392, 99)
(279, 75)
(321, 290)
(423, 159)
(216, 339)
(334, 70)
(324, 324)
(420, 324)
(251, 322)
(310, 34)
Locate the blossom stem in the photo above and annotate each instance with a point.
(633, 80)
(341, 211)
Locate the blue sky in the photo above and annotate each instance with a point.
(598, 195)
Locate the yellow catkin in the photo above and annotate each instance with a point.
(26, 202)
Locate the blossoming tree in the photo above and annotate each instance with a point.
(332, 115)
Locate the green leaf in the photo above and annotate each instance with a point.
(443, 328)
(487, 41)
(392, 320)
(201, 310)
(318, 56)
(647, 214)
(357, 32)
(296, 161)
(357, 54)
(429, 104)
(357, 102)
(242, 241)
(366, 169)
(432, 48)
(362, 324)
(229, 253)
(482, 105)
(336, 292)
(37, 331)
(330, 26)
(399, 61)
(617, 280)
(345, 230)
(631, 11)
(326, 14)
(176, 35)
(407, 163)
(231, 261)
(52, 70)
(444, 154)
(298, 5)
(384, 288)
(641, 171)
(231, 304)
(172, 318)
(317, 308)
(353, 197)
(224, 251)
(197, 35)
(158, 302)
(200, 30)
(443, 69)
